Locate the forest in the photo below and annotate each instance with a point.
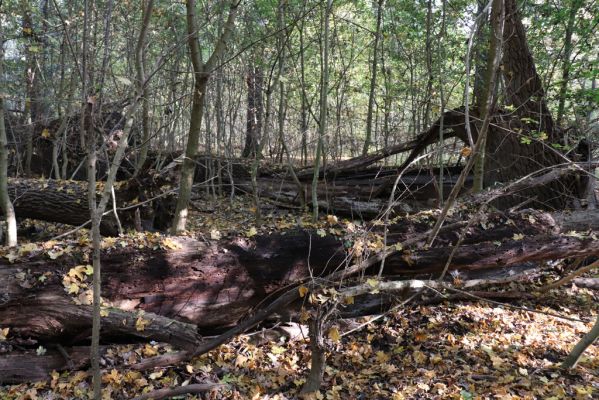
(282, 199)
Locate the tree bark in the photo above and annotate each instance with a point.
(324, 90)
(374, 67)
(216, 285)
(581, 346)
(5, 202)
(202, 73)
(255, 83)
(141, 82)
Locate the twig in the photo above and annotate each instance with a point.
(570, 277)
(116, 215)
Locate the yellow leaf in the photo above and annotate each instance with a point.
(156, 375)
(189, 368)
(73, 288)
(104, 312)
(277, 349)
(304, 316)
(27, 248)
(11, 257)
(169, 243)
(252, 232)
(241, 360)
(382, 357)
(46, 133)
(334, 334)
(141, 323)
(518, 236)
(331, 219)
(372, 282)
(303, 290)
(79, 272)
(150, 351)
(419, 357)
(349, 300)
(112, 378)
(4, 333)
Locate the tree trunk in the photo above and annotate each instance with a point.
(5, 202)
(523, 145)
(255, 83)
(202, 73)
(566, 60)
(581, 346)
(65, 202)
(322, 119)
(374, 66)
(141, 83)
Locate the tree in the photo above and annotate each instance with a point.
(324, 90)
(255, 83)
(527, 144)
(202, 72)
(374, 67)
(566, 60)
(581, 346)
(140, 62)
(5, 203)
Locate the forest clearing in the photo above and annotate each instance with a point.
(284, 199)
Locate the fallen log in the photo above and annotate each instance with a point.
(210, 286)
(28, 366)
(214, 284)
(66, 202)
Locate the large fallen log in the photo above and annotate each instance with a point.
(215, 285)
(66, 202)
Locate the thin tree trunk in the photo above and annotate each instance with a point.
(304, 103)
(31, 79)
(141, 87)
(581, 346)
(495, 45)
(202, 73)
(567, 62)
(371, 95)
(429, 64)
(324, 89)
(5, 203)
(254, 123)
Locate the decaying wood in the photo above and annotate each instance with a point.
(209, 286)
(65, 201)
(29, 366)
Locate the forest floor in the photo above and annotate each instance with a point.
(459, 350)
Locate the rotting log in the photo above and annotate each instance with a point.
(214, 284)
(210, 286)
(65, 201)
(27, 366)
